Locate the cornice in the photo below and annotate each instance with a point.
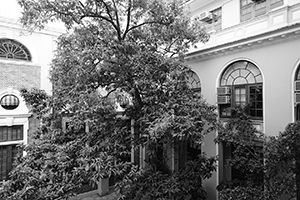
(15, 24)
(15, 116)
(267, 38)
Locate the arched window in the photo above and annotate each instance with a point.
(241, 85)
(297, 94)
(194, 81)
(14, 50)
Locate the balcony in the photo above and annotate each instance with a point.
(278, 23)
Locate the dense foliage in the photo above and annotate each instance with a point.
(267, 167)
(184, 184)
(246, 159)
(113, 48)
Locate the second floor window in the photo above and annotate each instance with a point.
(251, 9)
(215, 22)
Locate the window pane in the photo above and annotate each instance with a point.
(243, 90)
(256, 104)
(243, 98)
(240, 81)
(11, 133)
(259, 105)
(240, 96)
(259, 113)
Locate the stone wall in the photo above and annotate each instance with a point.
(18, 76)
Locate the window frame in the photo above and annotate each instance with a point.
(223, 107)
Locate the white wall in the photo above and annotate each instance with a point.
(277, 67)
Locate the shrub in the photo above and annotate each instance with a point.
(184, 184)
(241, 193)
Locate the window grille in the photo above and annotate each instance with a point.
(11, 49)
(9, 102)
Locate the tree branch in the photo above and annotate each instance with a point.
(64, 13)
(108, 11)
(143, 24)
(117, 20)
(128, 18)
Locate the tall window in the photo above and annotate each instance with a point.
(297, 94)
(11, 49)
(251, 9)
(241, 85)
(8, 134)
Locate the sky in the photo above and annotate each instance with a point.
(10, 9)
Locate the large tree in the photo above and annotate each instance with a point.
(132, 49)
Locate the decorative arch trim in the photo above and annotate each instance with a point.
(241, 72)
(11, 49)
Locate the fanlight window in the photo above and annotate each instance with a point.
(11, 49)
(297, 94)
(241, 72)
(9, 102)
(193, 81)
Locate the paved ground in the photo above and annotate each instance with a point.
(93, 195)
(111, 196)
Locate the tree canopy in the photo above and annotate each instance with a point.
(111, 48)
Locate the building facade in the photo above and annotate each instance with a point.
(25, 58)
(253, 58)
